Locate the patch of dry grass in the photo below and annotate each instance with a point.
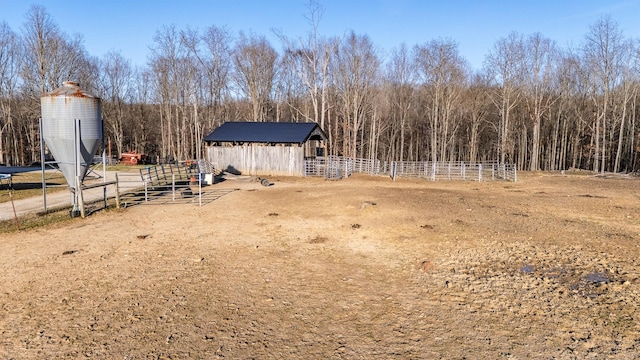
(34, 221)
(29, 184)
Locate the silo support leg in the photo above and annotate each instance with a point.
(80, 196)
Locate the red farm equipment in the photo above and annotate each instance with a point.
(133, 158)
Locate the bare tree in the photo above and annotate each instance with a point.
(290, 94)
(575, 112)
(255, 70)
(212, 52)
(41, 38)
(444, 74)
(624, 94)
(115, 87)
(603, 50)
(565, 79)
(356, 70)
(504, 63)
(533, 104)
(309, 58)
(49, 58)
(539, 70)
(475, 108)
(142, 112)
(167, 53)
(9, 68)
(401, 79)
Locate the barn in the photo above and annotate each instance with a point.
(265, 148)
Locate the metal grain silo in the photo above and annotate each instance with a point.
(72, 128)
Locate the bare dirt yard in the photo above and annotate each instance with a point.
(362, 268)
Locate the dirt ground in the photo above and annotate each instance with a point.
(362, 268)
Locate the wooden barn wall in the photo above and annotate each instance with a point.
(259, 160)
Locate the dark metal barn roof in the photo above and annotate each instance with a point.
(266, 132)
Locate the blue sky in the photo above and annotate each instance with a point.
(129, 26)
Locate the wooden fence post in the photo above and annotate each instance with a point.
(117, 192)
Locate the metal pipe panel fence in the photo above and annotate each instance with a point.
(161, 184)
(331, 167)
(160, 175)
(337, 167)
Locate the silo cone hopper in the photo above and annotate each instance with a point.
(72, 129)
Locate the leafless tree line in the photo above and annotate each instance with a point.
(532, 104)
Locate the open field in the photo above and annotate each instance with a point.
(362, 268)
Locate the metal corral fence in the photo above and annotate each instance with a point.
(162, 184)
(331, 167)
(161, 175)
(457, 170)
(336, 167)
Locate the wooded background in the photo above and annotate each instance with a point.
(533, 104)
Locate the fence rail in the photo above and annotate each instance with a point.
(331, 167)
(161, 183)
(336, 167)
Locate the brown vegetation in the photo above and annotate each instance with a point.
(360, 268)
